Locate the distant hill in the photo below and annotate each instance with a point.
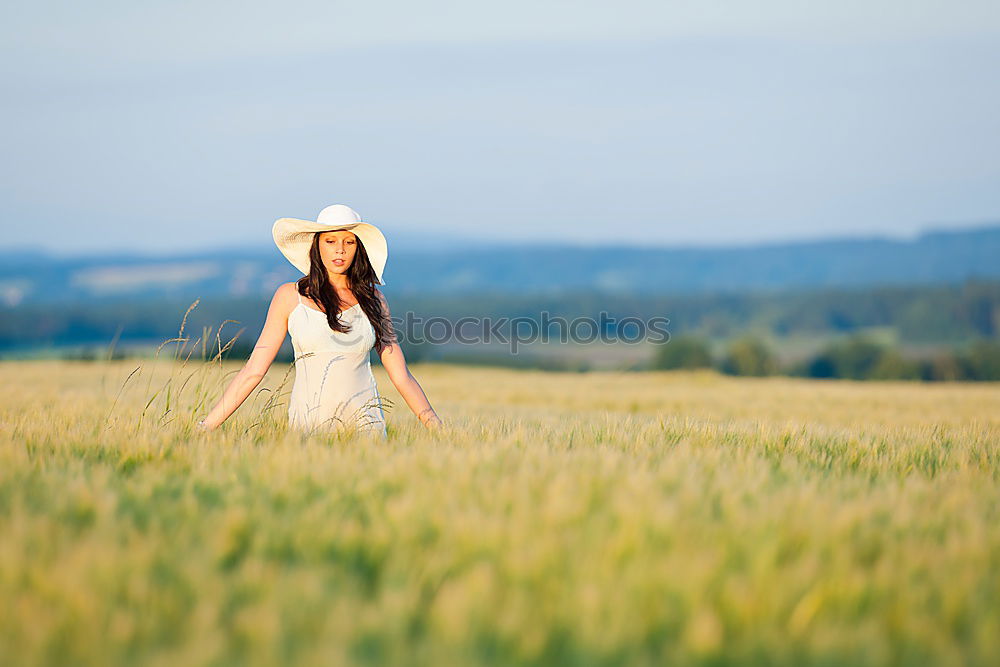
(940, 257)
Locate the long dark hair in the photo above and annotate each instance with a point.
(361, 279)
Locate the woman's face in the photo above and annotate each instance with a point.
(337, 250)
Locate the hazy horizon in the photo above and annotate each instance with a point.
(408, 244)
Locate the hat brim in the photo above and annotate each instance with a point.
(294, 239)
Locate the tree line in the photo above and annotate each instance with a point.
(857, 357)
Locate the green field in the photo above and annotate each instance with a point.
(565, 519)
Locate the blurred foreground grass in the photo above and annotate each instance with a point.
(584, 519)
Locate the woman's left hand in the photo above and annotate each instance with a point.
(432, 421)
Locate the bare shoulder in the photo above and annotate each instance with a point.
(286, 296)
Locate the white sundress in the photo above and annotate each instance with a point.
(334, 386)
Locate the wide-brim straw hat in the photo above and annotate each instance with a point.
(294, 237)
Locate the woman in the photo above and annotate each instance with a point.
(335, 316)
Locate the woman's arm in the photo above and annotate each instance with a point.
(256, 367)
(395, 365)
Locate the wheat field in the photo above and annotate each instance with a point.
(601, 518)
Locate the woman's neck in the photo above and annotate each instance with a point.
(340, 282)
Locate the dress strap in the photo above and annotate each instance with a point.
(299, 295)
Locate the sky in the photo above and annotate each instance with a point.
(185, 126)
